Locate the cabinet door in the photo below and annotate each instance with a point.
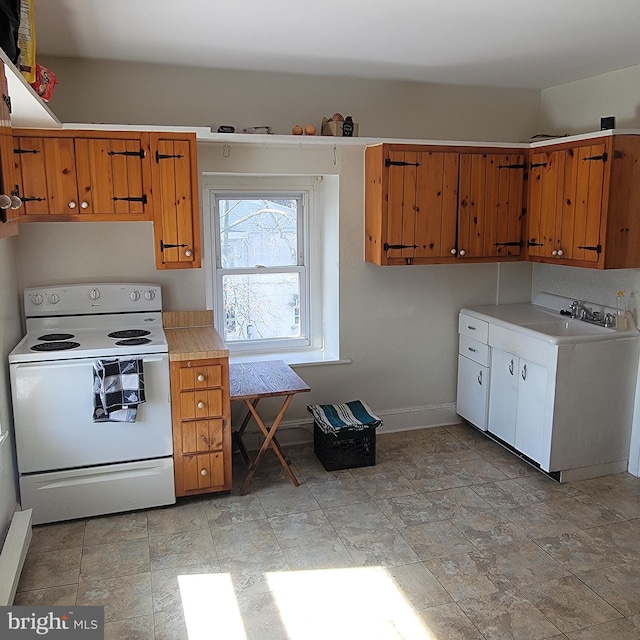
(110, 177)
(532, 392)
(175, 191)
(8, 216)
(421, 204)
(490, 205)
(503, 397)
(473, 392)
(31, 172)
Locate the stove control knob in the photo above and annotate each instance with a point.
(37, 299)
(94, 294)
(149, 295)
(134, 295)
(54, 298)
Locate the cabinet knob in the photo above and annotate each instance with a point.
(453, 252)
(554, 252)
(16, 203)
(73, 205)
(201, 405)
(5, 201)
(84, 204)
(204, 472)
(560, 252)
(188, 253)
(462, 252)
(200, 378)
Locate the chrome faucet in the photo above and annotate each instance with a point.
(580, 311)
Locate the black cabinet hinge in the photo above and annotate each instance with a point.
(538, 164)
(597, 248)
(512, 166)
(7, 100)
(530, 243)
(164, 246)
(400, 163)
(140, 153)
(142, 198)
(508, 244)
(604, 157)
(19, 151)
(165, 156)
(388, 246)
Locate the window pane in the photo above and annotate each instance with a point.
(261, 306)
(258, 232)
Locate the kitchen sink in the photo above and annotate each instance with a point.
(568, 327)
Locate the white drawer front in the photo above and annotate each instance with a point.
(474, 350)
(473, 328)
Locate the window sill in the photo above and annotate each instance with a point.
(293, 358)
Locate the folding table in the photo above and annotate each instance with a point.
(252, 381)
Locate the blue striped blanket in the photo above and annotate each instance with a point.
(350, 415)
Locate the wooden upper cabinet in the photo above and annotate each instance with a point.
(584, 203)
(8, 214)
(175, 193)
(433, 204)
(83, 175)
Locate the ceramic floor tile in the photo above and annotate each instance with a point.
(61, 535)
(436, 539)
(524, 563)
(621, 500)
(243, 538)
(321, 556)
(622, 537)
(432, 506)
(476, 471)
(306, 528)
(569, 604)
(468, 575)
(447, 622)
(51, 597)
(384, 484)
(166, 585)
(506, 615)
(385, 548)
(184, 516)
(511, 465)
(123, 597)
(335, 492)
(50, 569)
(466, 434)
(578, 551)
(586, 511)
(183, 548)
(539, 520)
(170, 625)
(261, 617)
(618, 585)
(227, 509)
(141, 628)
(618, 629)
(489, 529)
(433, 477)
(358, 518)
(418, 585)
(510, 494)
(125, 558)
(125, 526)
(280, 499)
(249, 574)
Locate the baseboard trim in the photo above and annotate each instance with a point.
(292, 432)
(14, 552)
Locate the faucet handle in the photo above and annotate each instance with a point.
(609, 320)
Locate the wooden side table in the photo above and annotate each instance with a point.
(252, 381)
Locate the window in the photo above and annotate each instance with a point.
(261, 268)
(271, 264)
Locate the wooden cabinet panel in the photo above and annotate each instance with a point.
(80, 175)
(9, 215)
(433, 204)
(201, 425)
(175, 189)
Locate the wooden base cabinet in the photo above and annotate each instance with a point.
(201, 425)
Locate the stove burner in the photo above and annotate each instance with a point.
(133, 341)
(55, 346)
(50, 337)
(129, 333)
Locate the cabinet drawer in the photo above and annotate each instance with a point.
(473, 328)
(201, 377)
(207, 403)
(203, 471)
(202, 435)
(474, 350)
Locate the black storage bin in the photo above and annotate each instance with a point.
(348, 449)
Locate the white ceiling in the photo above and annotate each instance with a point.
(505, 43)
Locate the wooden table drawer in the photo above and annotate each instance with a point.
(201, 377)
(202, 435)
(202, 471)
(207, 403)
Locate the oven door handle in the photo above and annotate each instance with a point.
(83, 362)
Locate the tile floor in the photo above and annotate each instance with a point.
(447, 537)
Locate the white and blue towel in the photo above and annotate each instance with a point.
(118, 389)
(330, 418)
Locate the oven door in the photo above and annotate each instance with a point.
(53, 417)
